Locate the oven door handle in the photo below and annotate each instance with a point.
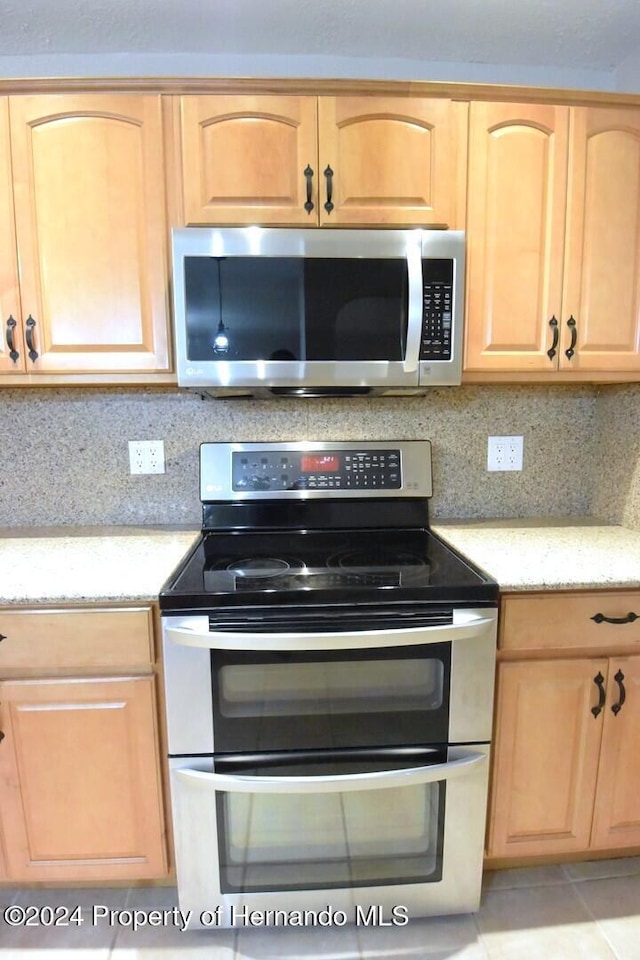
(194, 632)
(339, 783)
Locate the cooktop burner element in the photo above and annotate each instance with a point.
(262, 566)
(377, 558)
(363, 541)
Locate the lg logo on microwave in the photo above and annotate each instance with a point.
(194, 372)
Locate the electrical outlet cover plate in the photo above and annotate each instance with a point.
(505, 453)
(146, 456)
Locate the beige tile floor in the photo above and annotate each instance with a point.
(588, 911)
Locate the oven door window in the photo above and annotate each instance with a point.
(358, 838)
(391, 696)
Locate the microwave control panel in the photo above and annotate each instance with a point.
(273, 470)
(437, 309)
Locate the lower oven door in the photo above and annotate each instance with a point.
(407, 839)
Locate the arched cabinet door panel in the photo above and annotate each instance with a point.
(12, 353)
(515, 235)
(88, 179)
(390, 160)
(244, 160)
(602, 267)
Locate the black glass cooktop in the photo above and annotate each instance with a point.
(309, 567)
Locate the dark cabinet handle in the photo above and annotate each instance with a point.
(617, 707)
(308, 175)
(329, 177)
(2, 637)
(11, 343)
(599, 682)
(600, 618)
(571, 349)
(553, 349)
(30, 324)
(1, 736)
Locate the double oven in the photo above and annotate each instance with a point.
(329, 667)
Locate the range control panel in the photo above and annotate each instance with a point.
(307, 470)
(437, 310)
(316, 470)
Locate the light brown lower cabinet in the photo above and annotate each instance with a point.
(80, 778)
(566, 770)
(80, 784)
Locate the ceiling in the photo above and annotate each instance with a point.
(581, 34)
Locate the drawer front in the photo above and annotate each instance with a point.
(37, 640)
(566, 621)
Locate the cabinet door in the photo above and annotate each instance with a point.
(602, 269)
(616, 821)
(11, 341)
(515, 235)
(546, 757)
(244, 159)
(79, 780)
(90, 221)
(394, 160)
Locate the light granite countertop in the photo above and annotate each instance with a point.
(93, 564)
(549, 554)
(87, 564)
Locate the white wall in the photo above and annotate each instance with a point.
(628, 74)
(202, 65)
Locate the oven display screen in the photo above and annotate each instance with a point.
(319, 463)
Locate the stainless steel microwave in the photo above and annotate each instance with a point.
(317, 312)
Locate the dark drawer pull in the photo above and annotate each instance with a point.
(599, 682)
(617, 707)
(571, 349)
(553, 349)
(11, 341)
(30, 324)
(1, 736)
(600, 618)
(308, 175)
(329, 178)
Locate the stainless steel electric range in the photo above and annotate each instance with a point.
(329, 666)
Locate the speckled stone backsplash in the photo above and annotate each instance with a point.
(616, 494)
(65, 454)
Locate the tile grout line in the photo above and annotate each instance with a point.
(479, 935)
(576, 889)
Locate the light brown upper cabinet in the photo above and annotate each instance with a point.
(83, 204)
(553, 239)
(327, 161)
(12, 342)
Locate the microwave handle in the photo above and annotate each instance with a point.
(194, 632)
(414, 305)
(339, 783)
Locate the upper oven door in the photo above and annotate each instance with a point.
(232, 692)
(273, 308)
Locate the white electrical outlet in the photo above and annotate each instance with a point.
(505, 453)
(146, 456)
